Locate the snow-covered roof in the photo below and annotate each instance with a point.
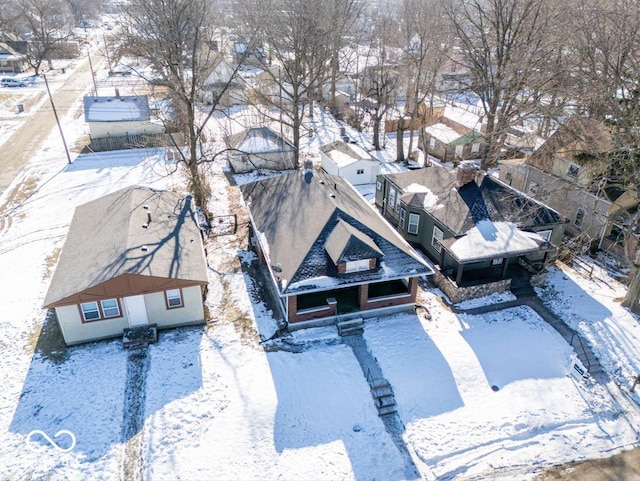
(259, 140)
(443, 133)
(124, 108)
(489, 239)
(470, 118)
(343, 153)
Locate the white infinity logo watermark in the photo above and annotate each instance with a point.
(52, 442)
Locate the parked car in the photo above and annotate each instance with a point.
(12, 82)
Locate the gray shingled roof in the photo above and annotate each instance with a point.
(346, 243)
(106, 239)
(460, 209)
(295, 215)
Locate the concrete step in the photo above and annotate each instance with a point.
(385, 401)
(384, 411)
(382, 391)
(351, 327)
(379, 383)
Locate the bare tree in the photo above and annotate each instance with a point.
(84, 9)
(606, 43)
(174, 38)
(506, 47)
(47, 22)
(381, 73)
(296, 34)
(344, 16)
(426, 47)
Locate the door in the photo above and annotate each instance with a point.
(136, 310)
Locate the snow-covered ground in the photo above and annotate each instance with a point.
(479, 396)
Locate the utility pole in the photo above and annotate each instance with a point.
(93, 74)
(55, 113)
(106, 51)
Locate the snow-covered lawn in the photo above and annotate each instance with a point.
(216, 405)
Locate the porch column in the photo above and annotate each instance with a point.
(292, 308)
(505, 265)
(413, 288)
(459, 273)
(363, 295)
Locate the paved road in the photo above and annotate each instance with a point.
(27, 140)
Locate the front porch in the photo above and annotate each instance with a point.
(483, 282)
(348, 300)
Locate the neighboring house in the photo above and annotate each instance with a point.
(327, 251)
(132, 258)
(452, 133)
(259, 148)
(565, 173)
(11, 60)
(118, 116)
(350, 162)
(480, 232)
(451, 144)
(224, 86)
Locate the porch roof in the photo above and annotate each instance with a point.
(489, 240)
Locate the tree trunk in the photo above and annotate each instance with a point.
(632, 299)
(400, 141)
(376, 133)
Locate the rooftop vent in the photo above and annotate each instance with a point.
(144, 248)
(144, 226)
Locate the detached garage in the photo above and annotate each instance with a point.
(350, 162)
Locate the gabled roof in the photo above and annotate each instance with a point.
(107, 238)
(346, 243)
(294, 216)
(124, 108)
(344, 154)
(577, 137)
(9, 53)
(259, 140)
(460, 209)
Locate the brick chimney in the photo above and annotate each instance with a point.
(465, 173)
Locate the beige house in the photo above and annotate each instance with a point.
(119, 116)
(566, 174)
(133, 258)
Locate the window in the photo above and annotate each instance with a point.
(533, 188)
(432, 143)
(110, 308)
(174, 298)
(403, 214)
(573, 171)
(414, 222)
(509, 178)
(496, 262)
(436, 238)
(379, 185)
(458, 152)
(357, 266)
(90, 311)
(392, 198)
(475, 148)
(579, 217)
(360, 171)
